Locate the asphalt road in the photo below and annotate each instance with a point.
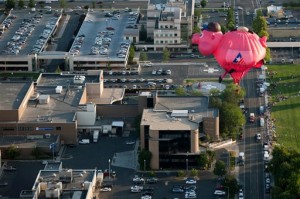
(252, 173)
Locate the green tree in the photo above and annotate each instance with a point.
(194, 173)
(203, 3)
(233, 94)
(202, 160)
(211, 157)
(94, 4)
(197, 13)
(12, 152)
(21, 4)
(31, 4)
(268, 57)
(196, 93)
(196, 29)
(10, 4)
(143, 56)
(86, 7)
(166, 55)
(62, 3)
(231, 120)
(143, 33)
(146, 156)
(220, 168)
(232, 184)
(131, 54)
(180, 91)
(223, 29)
(285, 168)
(180, 173)
(58, 70)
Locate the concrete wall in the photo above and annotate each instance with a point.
(67, 132)
(154, 149)
(211, 127)
(117, 111)
(194, 141)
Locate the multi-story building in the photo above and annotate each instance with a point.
(56, 182)
(170, 24)
(172, 126)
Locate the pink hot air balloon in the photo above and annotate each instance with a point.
(236, 51)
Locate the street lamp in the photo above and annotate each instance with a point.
(187, 161)
(109, 169)
(144, 165)
(292, 47)
(187, 165)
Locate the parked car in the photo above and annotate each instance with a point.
(136, 189)
(219, 193)
(110, 28)
(152, 180)
(190, 181)
(177, 189)
(105, 189)
(138, 179)
(84, 141)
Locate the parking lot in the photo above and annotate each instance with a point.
(159, 75)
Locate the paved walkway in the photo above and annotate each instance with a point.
(127, 159)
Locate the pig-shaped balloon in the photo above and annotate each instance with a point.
(236, 51)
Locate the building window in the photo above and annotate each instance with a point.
(166, 41)
(175, 41)
(58, 128)
(157, 42)
(161, 27)
(8, 129)
(166, 26)
(127, 38)
(161, 35)
(161, 42)
(171, 42)
(175, 34)
(171, 26)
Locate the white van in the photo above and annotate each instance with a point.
(262, 122)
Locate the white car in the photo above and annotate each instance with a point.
(136, 189)
(219, 193)
(138, 179)
(190, 181)
(105, 189)
(146, 197)
(130, 142)
(190, 195)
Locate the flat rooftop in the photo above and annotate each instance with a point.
(26, 31)
(61, 106)
(12, 94)
(162, 121)
(95, 24)
(192, 104)
(160, 118)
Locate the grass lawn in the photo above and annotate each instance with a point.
(286, 97)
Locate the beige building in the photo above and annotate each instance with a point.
(170, 24)
(56, 104)
(172, 127)
(56, 182)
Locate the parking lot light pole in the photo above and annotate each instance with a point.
(187, 165)
(144, 165)
(109, 169)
